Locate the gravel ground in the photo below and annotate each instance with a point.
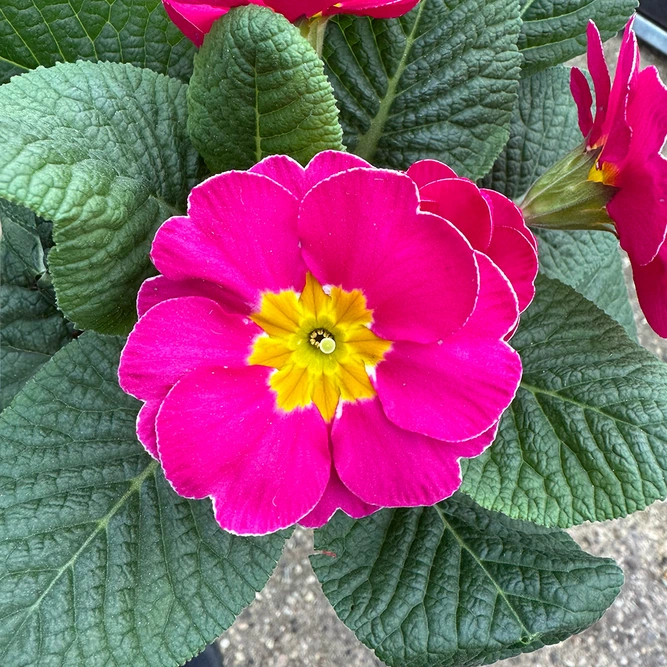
(291, 624)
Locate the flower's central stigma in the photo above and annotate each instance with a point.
(323, 340)
(320, 346)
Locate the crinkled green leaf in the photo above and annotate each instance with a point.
(102, 151)
(32, 327)
(440, 82)
(542, 130)
(102, 563)
(259, 89)
(589, 262)
(456, 585)
(586, 436)
(44, 32)
(554, 31)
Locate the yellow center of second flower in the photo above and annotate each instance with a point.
(320, 345)
(605, 173)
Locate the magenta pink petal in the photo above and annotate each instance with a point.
(387, 9)
(427, 171)
(459, 201)
(616, 132)
(328, 163)
(158, 289)
(241, 233)
(337, 497)
(451, 391)
(177, 336)
(599, 71)
(295, 9)
(639, 208)
(285, 171)
(387, 466)
(651, 285)
(517, 259)
(361, 229)
(581, 93)
(220, 434)
(505, 213)
(475, 446)
(497, 309)
(146, 426)
(195, 20)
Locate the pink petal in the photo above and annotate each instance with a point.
(387, 466)
(597, 66)
(505, 213)
(195, 20)
(651, 284)
(647, 114)
(380, 10)
(517, 259)
(451, 391)
(177, 336)
(458, 388)
(241, 233)
(146, 426)
(427, 171)
(581, 93)
(459, 201)
(158, 289)
(337, 497)
(497, 310)
(221, 435)
(328, 163)
(285, 171)
(295, 9)
(361, 229)
(616, 128)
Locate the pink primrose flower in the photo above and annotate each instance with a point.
(327, 338)
(629, 130)
(194, 18)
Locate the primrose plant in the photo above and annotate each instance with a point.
(351, 266)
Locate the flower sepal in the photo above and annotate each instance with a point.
(568, 196)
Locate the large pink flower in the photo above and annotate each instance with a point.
(319, 339)
(195, 17)
(629, 130)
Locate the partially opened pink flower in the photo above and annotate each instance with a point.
(629, 130)
(317, 341)
(195, 17)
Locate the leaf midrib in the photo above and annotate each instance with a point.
(135, 486)
(368, 141)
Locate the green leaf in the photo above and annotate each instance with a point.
(102, 562)
(455, 585)
(102, 151)
(440, 82)
(554, 31)
(32, 327)
(259, 89)
(43, 32)
(589, 262)
(543, 129)
(586, 436)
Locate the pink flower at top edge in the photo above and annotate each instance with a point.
(195, 17)
(324, 338)
(629, 129)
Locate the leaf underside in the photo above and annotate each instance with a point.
(101, 150)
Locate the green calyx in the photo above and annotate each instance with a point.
(565, 198)
(313, 30)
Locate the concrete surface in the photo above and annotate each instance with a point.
(291, 624)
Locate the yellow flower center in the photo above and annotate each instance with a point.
(320, 346)
(605, 173)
